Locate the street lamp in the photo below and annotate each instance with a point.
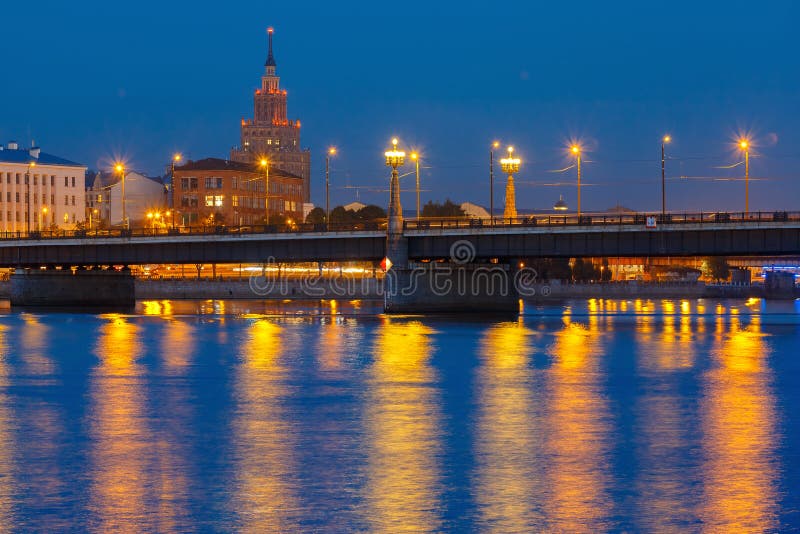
(120, 168)
(664, 141)
(42, 215)
(415, 157)
(331, 153)
(92, 213)
(510, 166)
(576, 150)
(31, 165)
(744, 146)
(395, 158)
(264, 163)
(494, 146)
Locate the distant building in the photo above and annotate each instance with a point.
(214, 191)
(354, 206)
(473, 211)
(39, 190)
(143, 194)
(271, 134)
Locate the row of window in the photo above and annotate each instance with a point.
(17, 198)
(16, 216)
(69, 181)
(245, 184)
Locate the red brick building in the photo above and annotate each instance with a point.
(216, 191)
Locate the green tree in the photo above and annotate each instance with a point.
(371, 213)
(605, 272)
(446, 209)
(717, 268)
(317, 215)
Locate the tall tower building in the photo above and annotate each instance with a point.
(270, 133)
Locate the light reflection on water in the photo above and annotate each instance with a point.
(271, 417)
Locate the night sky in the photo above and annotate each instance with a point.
(93, 80)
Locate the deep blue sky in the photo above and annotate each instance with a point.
(88, 80)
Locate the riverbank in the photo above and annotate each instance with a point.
(372, 289)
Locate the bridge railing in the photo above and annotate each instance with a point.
(376, 225)
(602, 219)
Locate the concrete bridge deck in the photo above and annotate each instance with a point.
(758, 234)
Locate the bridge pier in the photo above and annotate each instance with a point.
(65, 289)
(454, 287)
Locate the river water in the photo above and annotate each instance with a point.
(328, 416)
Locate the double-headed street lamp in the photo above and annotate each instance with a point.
(264, 163)
(664, 141)
(328, 156)
(415, 157)
(510, 166)
(744, 146)
(395, 158)
(120, 168)
(494, 146)
(576, 150)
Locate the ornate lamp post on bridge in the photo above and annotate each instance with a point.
(510, 166)
(395, 158)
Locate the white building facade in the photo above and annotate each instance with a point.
(39, 191)
(143, 195)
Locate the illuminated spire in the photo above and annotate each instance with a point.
(270, 58)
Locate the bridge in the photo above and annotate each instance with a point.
(599, 235)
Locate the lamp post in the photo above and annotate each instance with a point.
(415, 157)
(577, 151)
(744, 146)
(395, 158)
(265, 165)
(31, 165)
(664, 141)
(92, 213)
(495, 145)
(176, 158)
(120, 168)
(331, 152)
(510, 166)
(42, 216)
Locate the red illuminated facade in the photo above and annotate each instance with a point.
(270, 133)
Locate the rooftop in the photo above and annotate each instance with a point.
(12, 154)
(217, 164)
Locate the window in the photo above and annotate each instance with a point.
(235, 201)
(184, 183)
(66, 200)
(66, 182)
(17, 178)
(44, 199)
(35, 179)
(215, 201)
(235, 182)
(17, 196)
(73, 185)
(17, 216)
(8, 196)
(73, 201)
(213, 182)
(52, 199)
(52, 181)
(189, 201)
